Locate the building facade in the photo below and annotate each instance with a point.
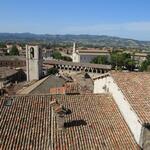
(12, 61)
(9, 76)
(47, 54)
(86, 56)
(131, 94)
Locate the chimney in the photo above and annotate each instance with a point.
(59, 113)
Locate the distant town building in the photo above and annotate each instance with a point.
(3, 51)
(12, 61)
(140, 57)
(9, 46)
(19, 47)
(86, 56)
(9, 76)
(34, 62)
(47, 54)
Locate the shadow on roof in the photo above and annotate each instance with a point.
(67, 110)
(75, 123)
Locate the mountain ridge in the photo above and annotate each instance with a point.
(86, 39)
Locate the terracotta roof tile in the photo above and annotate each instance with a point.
(72, 88)
(95, 123)
(105, 127)
(136, 88)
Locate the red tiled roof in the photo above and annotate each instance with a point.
(136, 88)
(72, 88)
(105, 129)
(28, 124)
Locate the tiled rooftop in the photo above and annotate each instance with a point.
(10, 58)
(6, 72)
(136, 88)
(94, 123)
(26, 124)
(43, 86)
(72, 88)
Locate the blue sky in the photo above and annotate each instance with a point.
(124, 18)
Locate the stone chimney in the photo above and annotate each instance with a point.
(58, 113)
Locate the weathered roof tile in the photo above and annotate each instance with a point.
(94, 123)
(136, 88)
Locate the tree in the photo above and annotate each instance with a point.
(114, 60)
(14, 51)
(2, 45)
(100, 60)
(56, 55)
(66, 58)
(122, 61)
(145, 66)
(130, 64)
(52, 71)
(148, 68)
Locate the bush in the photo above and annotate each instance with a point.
(100, 60)
(122, 60)
(66, 58)
(56, 55)
(145, 66)
(52, 71)
(14, 51)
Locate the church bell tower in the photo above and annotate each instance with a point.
(33, 62)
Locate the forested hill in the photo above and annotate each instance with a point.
(84, 39)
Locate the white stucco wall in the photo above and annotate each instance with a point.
(75, 57)
(125, 108)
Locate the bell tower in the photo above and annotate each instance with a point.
(74, 47)
(33, 62)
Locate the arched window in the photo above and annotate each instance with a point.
(31, 52)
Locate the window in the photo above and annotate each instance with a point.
(31, 52)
